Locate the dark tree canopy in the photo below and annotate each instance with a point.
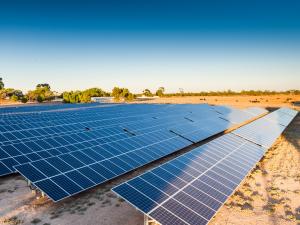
(160, 91)
(147, 93)
(1, 83)
(45, 85)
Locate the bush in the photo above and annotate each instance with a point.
(124, 93)
(24, 99)
(14, 98)
(41, 93)
(83, 96)
(40, 98)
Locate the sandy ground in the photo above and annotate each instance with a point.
(236, 101)
(270, 195)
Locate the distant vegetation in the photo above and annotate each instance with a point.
(1, 83)
(147, 93)
(43, 92)
(232, 93)
(122, 93)
(83, 96)
(160, 92)
(10, 93)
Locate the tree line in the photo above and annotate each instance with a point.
(43, 92)
(233, 93)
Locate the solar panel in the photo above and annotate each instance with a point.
(283, 116)
(39, 143)
(98, 164)
(238, 116)
(89, 146)
(191, 188)
(202, 129)
(265, 130)
(44, 107)
(256, 110)
(60, 119)
(35, 149)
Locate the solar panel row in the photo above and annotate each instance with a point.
(44, 107)
(266, 130)
(52, 115)
(44, 119)
(98, 164)
(63, 165)
(92, 116)
(191, 188)
(26, 151)
(256, 111)
(17, 136)
(202, 129)
(283, 116)
(239, 116)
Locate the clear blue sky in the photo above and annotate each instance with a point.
(194, 45)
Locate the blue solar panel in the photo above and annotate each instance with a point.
(48, 147)
(266, 130)
(44, 107)
(191, 188)
(282, 116)
(164, 143)
(202, 129)
(109, 143)
(38, 147)
(256, 111)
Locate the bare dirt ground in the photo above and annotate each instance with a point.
(270, 195)
(236, 101)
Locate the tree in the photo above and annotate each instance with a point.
(124, 93)
(147, 93)
(14, 98)
(24, 99)
(45, 85)
(130, 97)
(40, 98)
(83, 96)
(116, 93)
(41, 93)
(10, 92)
(1, 83)
(160, 91)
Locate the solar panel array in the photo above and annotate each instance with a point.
(42, 107)
(55, 140)
(24, 144)
(63, 153)
(191, 188)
